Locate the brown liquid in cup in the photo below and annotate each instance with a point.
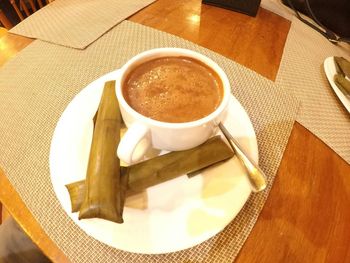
(173, 89)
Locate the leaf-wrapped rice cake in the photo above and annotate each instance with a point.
(138, 177)
(102, 193)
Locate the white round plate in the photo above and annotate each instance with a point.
(171, 216)
(329, 68)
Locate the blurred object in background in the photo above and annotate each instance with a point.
(4, 21)
(8, 16)
(331, 17)
(14, 11)
(248, 7)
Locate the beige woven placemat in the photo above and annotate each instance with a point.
(77, 23)
(35, 88)
(301, 73)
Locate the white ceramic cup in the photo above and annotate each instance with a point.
(143, 131)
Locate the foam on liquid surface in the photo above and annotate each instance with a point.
(173, 89)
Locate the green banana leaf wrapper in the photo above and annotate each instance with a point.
(342, 83)
(103, 196)
(138, 177)
(344, 65)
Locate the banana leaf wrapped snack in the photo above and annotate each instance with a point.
(343, 66)
(342, 83)
(76, 190)
(343, 70)
(140, 176)
(102, 195)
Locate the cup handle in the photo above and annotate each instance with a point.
(131, 139)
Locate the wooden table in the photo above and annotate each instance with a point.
(306, 217)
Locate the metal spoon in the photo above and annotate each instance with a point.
(256, 176)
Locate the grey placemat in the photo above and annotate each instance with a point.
(77, 23)
(301, 73)
(35, 88)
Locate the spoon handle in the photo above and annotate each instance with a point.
(256, 176)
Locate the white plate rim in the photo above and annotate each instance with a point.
(330, 70)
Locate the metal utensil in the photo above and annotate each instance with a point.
(256, 176)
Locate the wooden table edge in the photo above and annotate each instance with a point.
(11, 200)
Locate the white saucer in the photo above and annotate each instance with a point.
(330, 70)
(172, 216)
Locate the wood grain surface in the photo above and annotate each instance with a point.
(306, 217)
(10, 45)
(256, 43)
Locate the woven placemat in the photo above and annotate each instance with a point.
(36, 87)
(277, 7)
(301, 73)
(77, 23)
